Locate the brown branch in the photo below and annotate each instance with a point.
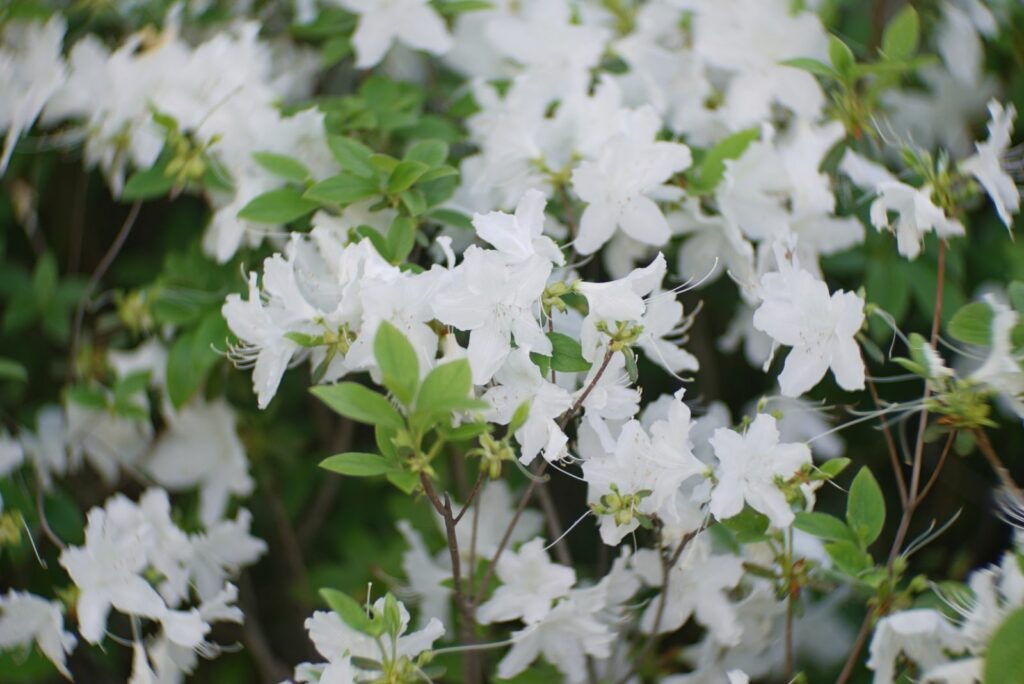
(989, 452)
(538, 473)
(271, 668)
(894, 454)
(472, 495)
(97, 275)
(913, 499)
(554, 524)
(938, 468)
(472, 666)
(667, 563)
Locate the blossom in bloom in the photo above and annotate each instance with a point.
(616, 302)
(519, 236)
(31, 71)
(698, 586)
(1002, 370)
(201, 448)
(565, 637)
(26, 618)
(530, 584)
(748, 466)
(519, 380)
(916, 213)
(922, 635)
(987, 166)
(382, 22)
(642, 474)
(108, 569)
(797, 311)
(339, 643)
(620, 187)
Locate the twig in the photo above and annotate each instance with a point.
(788, 671)
(894, 454)
(915, 475)
(317, 512)
(44, 524)
(659, 613)
(472, 495)
(271, 668)
(536, 479)
(547, 505)
(471, 671)
(938, 467)
(97, 275)
(989, 452)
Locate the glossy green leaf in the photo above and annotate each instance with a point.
(357, 464)
(282, 166)
(902, 35)
(277, 206)
(360, 404)
(398, 362)
(405, 174)
(865, 508)
(1004, 662)
(343, 189)
(823, 526)
(972, 324)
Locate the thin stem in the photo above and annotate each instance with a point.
(915, 474)
(471, 664)
(547, 505)
(97, 275)
(989, 452)
(938, 467)
(890, 442)
(667, 563)
(472, 495)
(537, 479)
(790, 591)
(44, 524)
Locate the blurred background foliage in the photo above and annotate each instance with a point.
(57, 221)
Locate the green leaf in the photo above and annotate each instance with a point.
(712, 166)
(380, 243)
(12, 370)
(901, 36)
(865, 508)
(543, 363)
(430, 152)
(413, 201)
(398, 362)
(519, 417)
(748, 526)
(1016, 292)
(45, 278)
(83, 395)
(834, 466)
(277, 206)
(450, 217)
(384, 162)
(343, 189)
(191, 357)
(148, 184)
(353, 156)
(404, 175)
(841, 56)
(848, 557)
(282, 165)
(1004, 663)
(401, 238)
(350, 612)
(358, 464)
(404, 480)
(446, 388)
(566, 354)
(972, 324)
(360, 404)
(813, 66)
(823, 526)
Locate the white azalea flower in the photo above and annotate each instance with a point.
(917, 214)
(382, 22)
(798, 311)
(698, 586)
(565, 637)
(1002, 368)
(922, 635)
(26, 618)
(201, 448)
(748, 465)
(987, 166)
(620, 187)
(530, 584)
(518, 381)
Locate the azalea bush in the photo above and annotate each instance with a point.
(595, 341)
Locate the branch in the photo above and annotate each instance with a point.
(97, 275)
